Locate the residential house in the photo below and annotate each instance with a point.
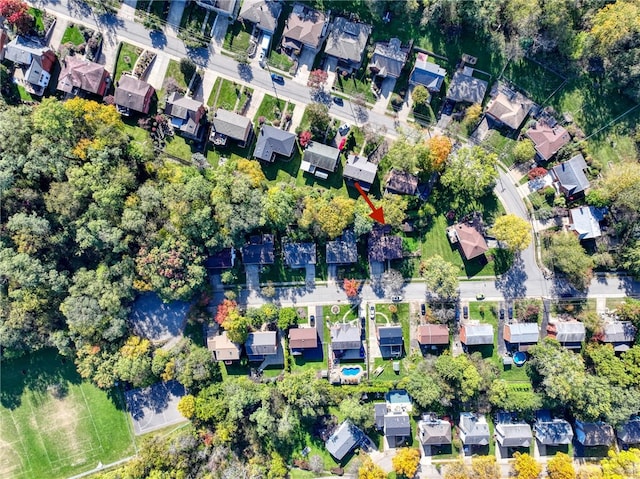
(398, 400)
(470, 241)
(346, 341)
(513, 434)
(224, 259)
(301, 339)
(133, 95)
(629, 432)
(390, 341)
(433, 336)
(473, 431)
(4, 39)
(476, 334)
(508, 108)
(222, 348)
(388, 58)
(433, 432)
(305, 28)
(343, 440)
(465, 88)
(551, 432)
(273, 142)
(259, 250)
(347, 42)
(585, 221)
(428, 74)
(79, 75)
(299, 255)
(571, 177)
(359, 169)
(34, 59)
(343, 250)
(228, 125)
(261, 344)
(224, 8)
(263, 14)
(591, 434)
(383, 247)
(547, 139)
(521, 336)
(186, 114)
(320, 160)
(401, 182)
(397, 428)
(569, 334)
(620, 334)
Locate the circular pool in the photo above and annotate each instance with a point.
(519, 358)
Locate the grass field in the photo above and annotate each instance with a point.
(38, 23)
(237, 38)
(53, 424)
(72, 34)
(126, 59)
(269, 107)
(223, 95)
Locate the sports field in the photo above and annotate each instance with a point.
(53, 424)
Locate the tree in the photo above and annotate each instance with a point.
(440, 276)
(351, 287)
(439, 149)
(523, 151)
(420, 95)
(134, 362)
(319, 119)
(485, 467)
(369, 470)
(395, 209)
(279, 206)
(514, 231)
(508, 398)
(422, 387)
(567, 256)
(471, 116)
(406, 462)
(560, 466)
(393, 282)
(537, 172)
(187, 406)
(17, 14)
(317, 79)
(360, 414)
(459, 376)
(621, 464)
(287, 317)
(405, 155)
(224, 309)
(525, 466)
(304, 138)
(456, 470)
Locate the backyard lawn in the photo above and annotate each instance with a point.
(126, 59)
(179, 146)
(53, 424)
(536, 81)
(72, 34)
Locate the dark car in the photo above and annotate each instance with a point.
(338, 101)
(277, 78)
(510, 312)
(465, 312)
(501, 313)
(312, 320)
(447, 109)
(457, 314)
(423, 309)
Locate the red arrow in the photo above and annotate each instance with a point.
(376, 213)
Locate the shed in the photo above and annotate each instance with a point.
(476, 334)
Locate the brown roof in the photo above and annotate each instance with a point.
(548, 140)
(509, 111)
(222, 347)
(133, 94)
(401, 182)
(303, 338)
(83, 74)
(4, 39)
(433, 334)
(471, 241)
(305, 26)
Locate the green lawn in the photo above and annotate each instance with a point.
(72, 34)
(126, 59)
(501, 146)
(37, 15)
(347, 312)
(53, 424)
(174, 71)
(237, 38)
(271, 108)
(359, 82)
(138, 135)
(280, 61)
(179, 146)
(232, 152)
(279, 272)
(224, 94)
(536, 81)
(24, 94)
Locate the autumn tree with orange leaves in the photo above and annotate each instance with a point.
(439, 149)
(351, 287)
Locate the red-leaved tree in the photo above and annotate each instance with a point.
(351, 287)
(223, 310)
(317, 79)
(537, 172)
(17, 14)
(304, 138)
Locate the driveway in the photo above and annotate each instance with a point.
(175, 13)
(386, 89)
(252, 272)
(155, 75)
(310, 274)
(219, 30)
(305, 65)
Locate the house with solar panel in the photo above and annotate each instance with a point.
(473, 431)
(552, 434)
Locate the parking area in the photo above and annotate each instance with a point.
(155, 407)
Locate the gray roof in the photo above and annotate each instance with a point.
(274, 141)
(259, 250)
(427, 74)
(264, 13)
(553, 432)
(379, 411)
(465, 88)
(585, 221)
(342, 250)
(261, 343)
(594, 433)
(298, 255)
(305, 26)
(401, 182)
(345, 336)
(509, 108)
(358, 168)
(383, 247)
(629, 432)
(513, 434)
(619, 332)
(347, 40)
(343, 440)
(22, 50)
(390, 335)
(571, 176)
(388, 58)
(434, 432)
(474, 429)
(131, 93)
(477, 334)
(521, 333)
(231, 124)
(322, 156)
(570, 331)
(187, 110)
(397, 424)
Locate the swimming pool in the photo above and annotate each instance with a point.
(397, 397)
(519, 358)
(351, 371)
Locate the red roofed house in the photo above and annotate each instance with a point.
(547, 139)
(433, 336)
(469, 239)
(82, 75)
(302, 338)
(133, 94)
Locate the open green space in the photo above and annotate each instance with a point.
(279, 272)
(54, 424)
(181, 147)
(224, 94)
(24, 94)
(535, 80)
(38, 22)
(271, 109)
(237, 37)
(72, 34)
(127, 57)
(357, 83)
(137, 134)
(280, 61)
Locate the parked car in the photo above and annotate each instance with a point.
(372, 311)
(277, 78)
(465, 312)
(510, 312)
(312, 321)
(501, 313)
(423, 309)
(338, 101)
(447, 109)
(396, 299)
(344, 129)
(457, 314)
(480, 296)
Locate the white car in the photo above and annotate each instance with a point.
(372, 311)
(344, 129)
(396, 299)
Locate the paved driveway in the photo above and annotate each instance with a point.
(305, 65)
(156, 320)
(155, 407)
(175, 12)
(252, 272)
